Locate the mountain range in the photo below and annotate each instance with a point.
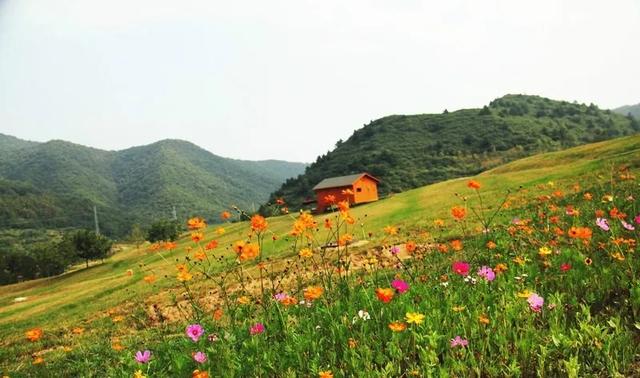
(634, 110)
(409, 151)
(57, 183)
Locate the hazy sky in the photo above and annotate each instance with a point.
(286, 79)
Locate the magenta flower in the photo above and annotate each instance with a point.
(194, 331)
(487, 273)
(626, 225)
(461, 268)
(256, 329)
(395, 250)
(400, 286)
(143, 357)
(459, 342)
(535, 302)
(280, 297)
(637, 219)
(603, 223)
(200, 357)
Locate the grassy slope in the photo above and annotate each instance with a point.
(67, 299)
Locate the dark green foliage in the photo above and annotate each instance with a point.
(56, 184)
(88, 245)
(164, 230)
(406, 152)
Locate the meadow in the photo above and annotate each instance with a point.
(528, 269)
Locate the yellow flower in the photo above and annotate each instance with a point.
(618, 256)
(544, 251)
(243, 300)
(519, 260)
(607, 198)
(117, 318)
(138, 374)
(184, 276)
(220, 231)
(524, 294)
(67, 349)
(458, 308)
(305, 252)
(414, 317)
(391, 230)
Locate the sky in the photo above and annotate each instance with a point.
(286, 79)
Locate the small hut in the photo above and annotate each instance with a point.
(358, 188)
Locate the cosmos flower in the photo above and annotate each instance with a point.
(535, 302)
(473, 184)
(256, 329)
(194, 331)
(459, 342)
(487, 273)
(626, 225)
(385, 294)
(143, 357)
(395, 250)
(400, 285)
(199, 357)
(603, 223)
(461, 268)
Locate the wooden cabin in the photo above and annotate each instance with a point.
(355, 189)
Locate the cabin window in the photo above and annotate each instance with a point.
(358, 190)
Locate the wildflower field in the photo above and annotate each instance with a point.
(525, 270)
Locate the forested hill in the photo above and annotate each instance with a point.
(408, 151)
(57, 183)
(634, 110)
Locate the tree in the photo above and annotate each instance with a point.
(90, 246)
(163, 230)
(136, 236)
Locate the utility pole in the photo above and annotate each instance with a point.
(95, 217)
(175, 216)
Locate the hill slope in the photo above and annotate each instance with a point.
(57, 183)
(411, 151)
(634, 110)
(65, 300)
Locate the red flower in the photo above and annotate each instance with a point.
(461, 268)
(565, 267)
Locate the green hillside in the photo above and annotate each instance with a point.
(634, 110)
(56, 184)
(83, 297)
(411, 151)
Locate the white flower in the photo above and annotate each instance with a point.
(445, 284)
(364, 315)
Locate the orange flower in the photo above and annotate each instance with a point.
(347, 192)
(410, 246)
(77, 331)
(258, 223)
(343, 206)
(184, 275)
(473, 184)
(211, 245)
(313, 292)
(483, 319)
(491, 245)
(280, 201)
(325, 374)
(500, 268)
(397, 326)
(38, 360)
(199, 374)
(168, 246)
(327, 223)
(352, 343)
(217, 314)
(197, 236)
(225, 215)
(117, 346)
(456, 245)
(330, 198)
(443, 248)
(345, 239)
(200, 255)
(34, 334)
(385, 295)
(438, 223)
(196, 223)
(150, 278)
(391, 230)
(588, 196)
(458, 212)
(249, 252)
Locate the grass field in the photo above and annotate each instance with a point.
(88, 297)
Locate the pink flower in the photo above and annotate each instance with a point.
(461, 268)
(280, 297)
(400, 285)
(626, 225)
(194, 331)
(603, 223)
(200, 357)
(535, 302)
(637, 219)
(565, 267)
(395, 250)
(256, 329)
(143, 357)
(459, 342)
(487, 273)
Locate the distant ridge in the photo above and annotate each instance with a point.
(56, 183)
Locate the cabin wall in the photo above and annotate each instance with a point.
(365, 190)
(337, 192)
